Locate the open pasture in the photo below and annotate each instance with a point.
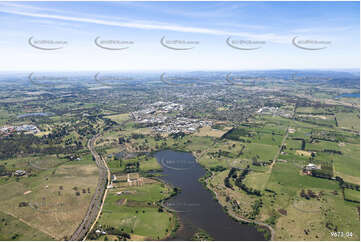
(53, 201)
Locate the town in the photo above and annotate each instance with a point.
(163, 118)
(26, 128)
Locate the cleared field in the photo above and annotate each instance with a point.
(348, 163)
(119, 118)
(34, 162)
(263, 151)
(308, 219)
(208, 131)
(12, 228)
(303, 153)
(136, 213)
(352, 195)
(348, 120)
(151, 164)
(53, 201)
(147, 193)
(317, 224)
(287, 178)
(256, 180)
(310, 110)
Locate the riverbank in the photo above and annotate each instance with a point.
(269, 234)
(195, 204)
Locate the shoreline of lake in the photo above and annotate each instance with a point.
(196, 205)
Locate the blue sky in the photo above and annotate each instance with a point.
(275, 24)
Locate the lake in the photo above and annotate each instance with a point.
(349, 95)
(195, 204)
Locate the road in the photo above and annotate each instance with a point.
(275, 158)
(282, 143)
(98, 199)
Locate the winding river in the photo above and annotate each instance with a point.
(195, 205)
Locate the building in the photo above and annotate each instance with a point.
(133, 179)
(311, 167)
(114, 178)
(20, 173)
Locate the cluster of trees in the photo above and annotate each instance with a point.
(137, 136)
(256, 208)
(178, 135)
(271, 191)
(309, 194)
(241, 185)
(201, 235)
(220, 153)
(23, 204)
(326, 171)
(238, 181)
(235, 133)
(218, 168)
(28, 144)
(232, 173)
(131, 167)
(56, 136)
(56, 142)
(255, 162)
(108, 123)
(321, 174)
(333, 151)
(4, 171)
(347, 185)
(120, 233)
(122, 140)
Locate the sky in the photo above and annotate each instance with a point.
(164, 36)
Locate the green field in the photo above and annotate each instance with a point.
(352, 195)
(349, 120)
(138, 214)
(13, 229)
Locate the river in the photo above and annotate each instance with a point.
(195, 205)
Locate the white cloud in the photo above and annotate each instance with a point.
(270, 37)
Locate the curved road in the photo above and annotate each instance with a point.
(98, 199)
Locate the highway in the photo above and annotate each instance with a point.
(98, 199)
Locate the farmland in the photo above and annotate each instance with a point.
(136, 211)
(280, 157)
(53, 199)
